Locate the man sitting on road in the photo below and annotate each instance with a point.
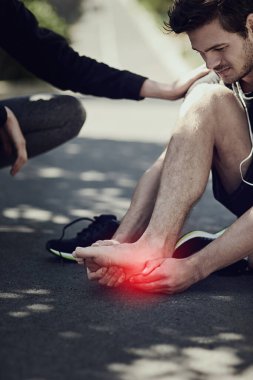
(213, 133)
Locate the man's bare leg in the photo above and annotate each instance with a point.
(137, 217)
(213, 129)
(211, 122)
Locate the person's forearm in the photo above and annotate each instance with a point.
(153, 89)
(235, 244)
(138, 215)
(28, 43)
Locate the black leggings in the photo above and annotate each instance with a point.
(46, 121)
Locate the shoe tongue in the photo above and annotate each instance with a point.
(105, 217)
(100, 221)
(98, 226)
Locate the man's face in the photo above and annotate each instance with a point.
(228, 54)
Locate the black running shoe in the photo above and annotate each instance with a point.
(101, 227)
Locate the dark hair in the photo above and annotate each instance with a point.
(188, 15)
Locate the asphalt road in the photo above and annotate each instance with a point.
(56, 325)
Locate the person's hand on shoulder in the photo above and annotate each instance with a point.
(12, 139)
(175, 90)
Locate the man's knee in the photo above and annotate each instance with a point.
(212, 97)
(210, 103)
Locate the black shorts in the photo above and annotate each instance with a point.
(241, 199)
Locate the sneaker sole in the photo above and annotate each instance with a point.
(193, 242)
(198, 234)
(64, 255)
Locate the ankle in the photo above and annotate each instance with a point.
(157, 247)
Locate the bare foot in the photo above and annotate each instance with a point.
(129, 256)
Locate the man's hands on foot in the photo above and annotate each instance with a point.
(162, 275)
(168, 276)
(112, 263)
(124, 260)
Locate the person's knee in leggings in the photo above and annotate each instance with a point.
(46, 122)
(65, 116)
(72, 115)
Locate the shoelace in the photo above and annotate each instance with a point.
(74, 222)
(70, 224)
(91, 229)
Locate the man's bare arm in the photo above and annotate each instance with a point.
(235, 244)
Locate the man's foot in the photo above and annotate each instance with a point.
(196, 240)
(131, 257)
(101, 227)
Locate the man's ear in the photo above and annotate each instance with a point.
(249, 23)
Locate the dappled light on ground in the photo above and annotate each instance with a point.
(167, 361)
(26, 308)
(51, 173)
(92, 175)
(70, 335)
(26, 212)
(39, 308)
(41, 292)
(10, 295)
(19, 314)
(226, 336)
(19, 229)
(35, 214)
(224, 297)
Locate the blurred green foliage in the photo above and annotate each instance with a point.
(47, 18)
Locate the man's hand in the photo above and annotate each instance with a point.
(12, 137)
(167, 276)
(176, 90)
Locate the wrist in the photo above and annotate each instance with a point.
(163, 247)
(153, 89)
(198, 269)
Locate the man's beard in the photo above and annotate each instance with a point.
(247, 67)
